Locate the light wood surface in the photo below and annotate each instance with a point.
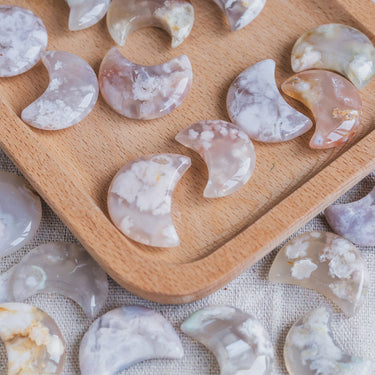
(72, 168)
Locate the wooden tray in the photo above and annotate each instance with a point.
(72, 168)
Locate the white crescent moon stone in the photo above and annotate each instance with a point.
(86, 13)
(255, 104)
(70, 96)
(140, 198)
(59, 267)
(32, 339)
(23, 37)
(20, 213)
(124, 337)
(144, 92)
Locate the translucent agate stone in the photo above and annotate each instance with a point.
(240, 12)
(58, 267)
(255, 104)
(310, 349)
(144, 92)
(327, 263)
(176, 17)
(354, 221)
(23, 38)
(335, 103)
(70, 96)
(239, 341)
(228, 152)
(336, 47)
(124, 337)
(32, 339)
(140, 197)
(20, 213)
(86, 13)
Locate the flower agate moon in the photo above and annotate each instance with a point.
(239, 341)
(140, 197)
(255, 104)
(336, 47)
(86, 13)
(20, 213)
(310, 349)
(23, 37)
(335, 103)
(176, 17)
(33, 342)
(228, 152)
(144, 92)
(239, 12)
(354, 221)
(327, 263)
(71, 94)
(57, 267)
(124, 337)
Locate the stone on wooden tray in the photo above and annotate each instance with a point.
(59, 267)
(124, 337)
(228, 152)
(144, 92)
(140, 197)
(354, 221)
(310, 349)
(335, 103)
(174, 16)
(255, 104)
(20, 213)
(70, 96)
(33, 342)
(86, 13)
(240, 12)
(239, 341)
(327, 263)
(336, 47)
(23, 37)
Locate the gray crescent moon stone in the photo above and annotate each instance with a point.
(124, 337)
(23, 37)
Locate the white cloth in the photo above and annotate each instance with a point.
(276, 306)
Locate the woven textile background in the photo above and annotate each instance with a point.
(276, 306)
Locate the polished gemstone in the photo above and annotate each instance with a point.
(86, 13)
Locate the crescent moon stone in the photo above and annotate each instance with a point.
(354, 221)
(176, 17)
(140, 197)
(239, 341)
(30, 331)
(124, 337)
(239, 12)
(86, 13)
(228, 152)
(310, 349)
(336, 47)
(144, 92)
(334, 101)
(23, 37)
(20, 213)
(71, 94)
(255, 104)
(327, 263)
(59, 267)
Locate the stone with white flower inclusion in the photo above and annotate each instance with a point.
(327, 263)
(228, 152)
(23, 37)
(311, 350)
(140, 197)
(336, 47)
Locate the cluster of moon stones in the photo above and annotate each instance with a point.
(140, 194)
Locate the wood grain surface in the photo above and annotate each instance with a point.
(220, 238)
